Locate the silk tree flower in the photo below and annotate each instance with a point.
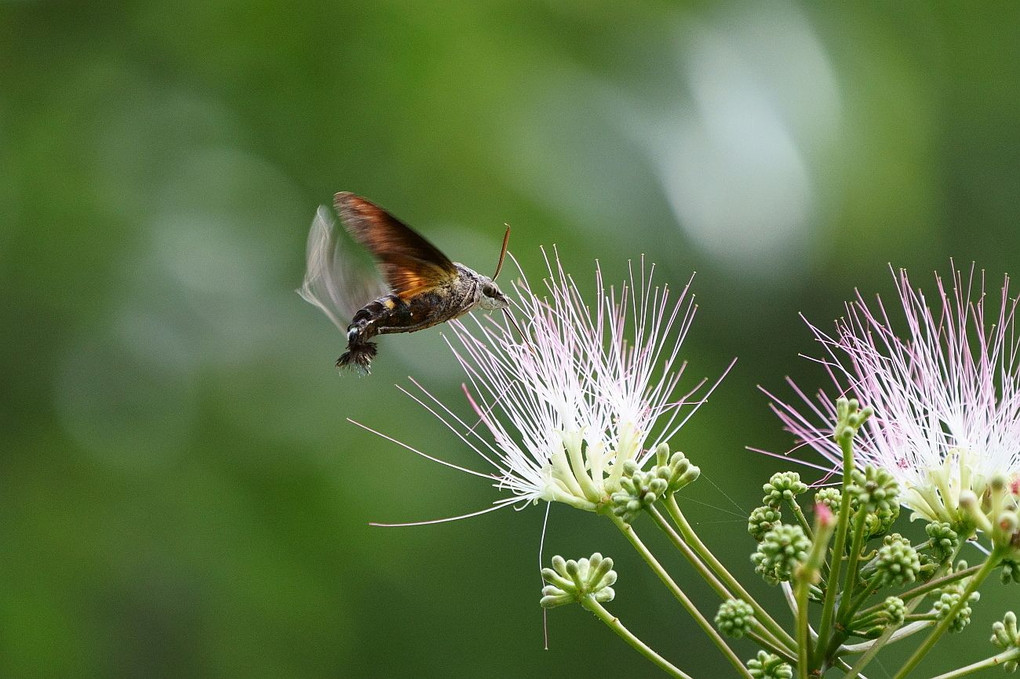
(946, 396)
(573, 389)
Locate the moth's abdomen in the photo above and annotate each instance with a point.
(370, 320)
(377, 310)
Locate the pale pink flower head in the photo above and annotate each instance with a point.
(943, 384)
(573, 390)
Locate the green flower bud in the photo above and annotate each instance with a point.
(571, 581)
(779, 553)
(638, 490)
(830, 497)
(891, 614)
(895, 610)
(944, 540)
(897, 561)
(675, 469)
(1006, 636)
(850, 417)
(875, 490)
(879, 522)
(782, 486)
(949, 597)
(769, 666)
(762, 520)
(735, 618)
(1010, 571)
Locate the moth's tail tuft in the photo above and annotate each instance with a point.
(358, 357)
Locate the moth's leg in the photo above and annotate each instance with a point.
(389, 329)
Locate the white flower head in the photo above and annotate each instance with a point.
(587, 388)
(945, 392)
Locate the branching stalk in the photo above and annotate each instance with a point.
(678, 593)
(614, 624)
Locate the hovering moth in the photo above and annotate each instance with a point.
(424, 287)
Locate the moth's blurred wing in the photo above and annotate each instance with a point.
(334, 280)
(409, 263)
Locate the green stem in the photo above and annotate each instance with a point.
(803, 629)
(838, 549)
(994, 661)
(678, 593)
(986, 568)
(870, 587)
(768, 643)
(706, 573)
(641, 647)
(850, 585)
(690, 537)
(913, 600)
(806, 575)
(801, 519)
(699, 565)
(871, 652)
(930, 586)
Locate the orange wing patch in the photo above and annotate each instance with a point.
(410, 264)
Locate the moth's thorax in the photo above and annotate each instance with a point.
(457, 296)
(479, 290)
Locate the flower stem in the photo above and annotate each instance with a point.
(699, 547)
(993, 661)
(850, 585)
(801, 519)
(678, 593)
(806, 575)
(870, 587)
(930, 586)
(803, 630)
(894, 634)
(838, 548)
(611, 621)
(986, 568)
(779, 645)
(695, 560)
(769, 644)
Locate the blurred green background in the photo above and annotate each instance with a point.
(181, 494)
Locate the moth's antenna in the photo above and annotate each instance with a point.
(502, 252)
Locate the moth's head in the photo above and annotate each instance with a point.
(490, 296)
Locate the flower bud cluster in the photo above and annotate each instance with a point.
(874, 489)
(783, 487)
(897, 561)
(779, 553)
(894, 610)
(891, 613)
(572, 581)
(1006, 636)
(769, 666)
(830, 497)
(762, 520)
(850, 417)
(735, 618)
(948, 598)
(944, 541)
(641, 489)
(638, 490)
(1010, 571)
